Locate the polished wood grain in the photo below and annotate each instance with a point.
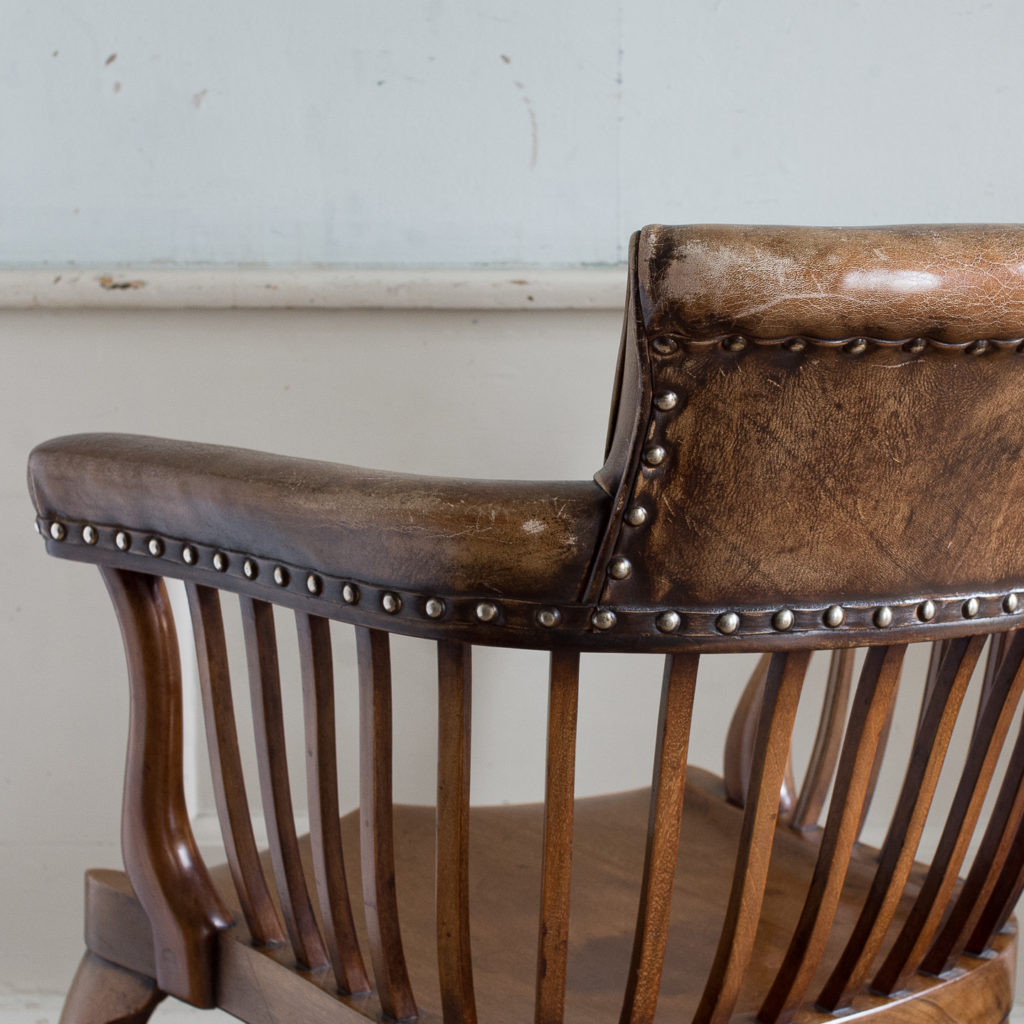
(1000, 697)
(377, 837)
(317, 668)
(160, 852)
(653, 917)
(782, 687)
(103, 993)
(739, 740)
(275, 787)
(872, 705)
(907, 823)
(226, 765)
(996, 845)
(557, 841)
(821, 767)
(608, 866)
(454, 717)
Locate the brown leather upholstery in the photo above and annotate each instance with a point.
(836, 416)
(952, 283)
(392, 528)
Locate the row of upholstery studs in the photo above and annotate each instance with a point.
(666, 346)
(834, 616)
(620, 567)
(390, 601)
(488, 611)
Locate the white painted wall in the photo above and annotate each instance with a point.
(471, 131)
(431, 134)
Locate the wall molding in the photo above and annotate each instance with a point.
(598, 288)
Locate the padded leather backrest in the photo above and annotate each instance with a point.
(839, 416)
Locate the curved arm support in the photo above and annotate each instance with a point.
(160, 852)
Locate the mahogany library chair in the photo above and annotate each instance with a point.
(815, 444)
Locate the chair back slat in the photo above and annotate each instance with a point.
(998, 841)
(226, 766)
(907, 822)
(999, 704)
(377, 839)
(339, 932)
(997, 644)
(1004, 897)
(454, 956)
(739, 740)
(872, 705)
(821, 767)
(556, 871)
(667, 787)
(271, 753)
(783, 683)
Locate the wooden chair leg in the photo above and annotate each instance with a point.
(103, 993)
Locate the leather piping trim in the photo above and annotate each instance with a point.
(595, 581)
(508, 622)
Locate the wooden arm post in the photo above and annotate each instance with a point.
(160, 852)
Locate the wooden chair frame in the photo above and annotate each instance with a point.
(678, 546)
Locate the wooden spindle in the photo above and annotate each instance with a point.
(377, 840)
(271, 754)
(1005, 894)
(739, 740)
(995, 847)
(771, 752)
(226, 767)
(997, 647)
(556, 876)
(454, 958)
(897, 854)
(667, 788)
(872, 704)
(993, 722)
(316, 663)
(824, 755)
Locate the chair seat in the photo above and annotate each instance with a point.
(608, 853)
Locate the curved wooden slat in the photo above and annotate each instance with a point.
(1001, 697)
(556, 876)
(377, 826)
(272, 758)
(998, 644)
(771, 752)
(316, 664)
(739, 740)
(1005, 894)
(667, 787)
(827, 740)
(160, 853)
(454, 957)
(995, 847)
(907, 823)
(872, 704)
(226, 767)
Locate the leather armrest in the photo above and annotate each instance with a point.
(529, 540)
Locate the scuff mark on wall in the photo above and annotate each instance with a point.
(109, 284)
(530, 111)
